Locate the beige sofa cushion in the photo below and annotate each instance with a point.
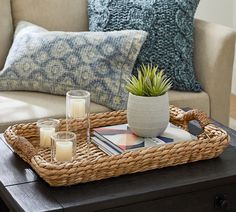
(18, 107)
(199, 101)
(6, 30)
(60, 15)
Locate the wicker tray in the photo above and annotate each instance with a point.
(24, 139)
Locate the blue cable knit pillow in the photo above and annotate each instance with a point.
(55, 62)
(170, 27)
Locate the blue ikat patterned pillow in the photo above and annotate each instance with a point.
(55, 62)
(169, 24)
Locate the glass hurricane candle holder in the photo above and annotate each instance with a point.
(77, 104)
(63, 146)
(47, 127)
(78, 111)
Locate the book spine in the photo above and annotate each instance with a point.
(99, 136)
(103, 146)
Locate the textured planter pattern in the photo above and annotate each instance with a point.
(148, 116)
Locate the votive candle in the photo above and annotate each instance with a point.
(63, 146)
(77, 108)
(47, 127)
(45, 136)
(64, 151)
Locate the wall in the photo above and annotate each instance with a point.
(221, 12)
(234, 74)
(218, 11)
(234, 14)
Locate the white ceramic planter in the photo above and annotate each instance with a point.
(148, 116)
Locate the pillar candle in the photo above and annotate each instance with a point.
(77, 108)
(45, 136)
(64, 151)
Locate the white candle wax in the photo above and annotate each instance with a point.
(45, 136)
(64, 151)
(77, 108)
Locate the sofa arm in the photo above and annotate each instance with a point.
(213, 62)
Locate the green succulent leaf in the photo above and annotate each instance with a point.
(150, 81)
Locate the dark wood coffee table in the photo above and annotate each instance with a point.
(201, 186)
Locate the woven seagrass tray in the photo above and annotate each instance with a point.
(24, 139)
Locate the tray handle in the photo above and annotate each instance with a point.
(190, 115)
(199, 116)
(23, 145)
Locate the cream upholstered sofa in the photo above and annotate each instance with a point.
(213, 61)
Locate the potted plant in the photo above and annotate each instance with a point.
(148, 102)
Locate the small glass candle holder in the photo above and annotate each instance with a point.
(78, 111)
(47, 127)
(63, 146)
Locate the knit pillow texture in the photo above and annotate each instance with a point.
(55, 62)
(169, 24)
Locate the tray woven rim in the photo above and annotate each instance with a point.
(211, 143)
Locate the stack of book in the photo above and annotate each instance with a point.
(117, 139)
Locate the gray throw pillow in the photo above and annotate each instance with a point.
(169, 24)
(55, 62)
